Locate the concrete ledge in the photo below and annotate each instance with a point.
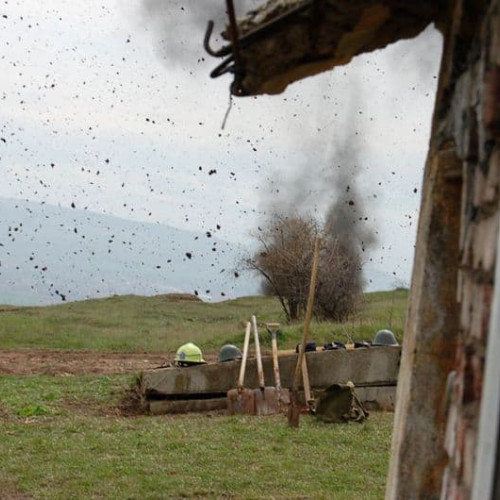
(373, 398)
(378, 398)
(374, 366)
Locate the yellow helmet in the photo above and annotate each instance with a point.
(189, 354)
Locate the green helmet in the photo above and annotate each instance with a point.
(189, 354)
(384, 337)
(229, 352)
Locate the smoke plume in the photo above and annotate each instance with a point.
(329, 189)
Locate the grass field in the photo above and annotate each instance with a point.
(65, 437)
(62, 439)
(132, 323)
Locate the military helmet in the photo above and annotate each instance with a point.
(189, 354)
(310, 346)
(229, 352)
(384, 337)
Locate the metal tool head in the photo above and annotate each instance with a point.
(293, 413)
(241, 401)
(273, 328)
(266, 401)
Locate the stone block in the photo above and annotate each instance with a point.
(378, 398)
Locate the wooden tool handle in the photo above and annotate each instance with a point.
(260, 371)
(305, 381)
(309, 311)
(276, 366)
(243, 365)
(272, 327)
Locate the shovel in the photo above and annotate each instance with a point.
(283, 394)
(307, 387)
(241, 400)
(294, 408)
(266, 398)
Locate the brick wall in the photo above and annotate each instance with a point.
(474, 119)
(441, 378)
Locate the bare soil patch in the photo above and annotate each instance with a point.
(59, 361)
(131, 404)
(42, 361)
(9, 491)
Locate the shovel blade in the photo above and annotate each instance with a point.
(284, 398)
(293, 414)
(241, 402)
(266, 401)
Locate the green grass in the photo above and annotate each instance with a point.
(132, 323)
(64, 438)
(78, 447)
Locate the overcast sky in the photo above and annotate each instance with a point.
(102, 109)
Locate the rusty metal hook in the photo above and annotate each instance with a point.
(223, 51)
(223, 68)
(231, 64)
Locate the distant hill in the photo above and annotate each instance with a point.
(50, 254)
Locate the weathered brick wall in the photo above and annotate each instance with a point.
(441, 378)
(474, 120)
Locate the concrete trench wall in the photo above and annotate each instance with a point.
(373, 370)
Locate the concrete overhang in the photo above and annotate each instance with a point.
(287, 40)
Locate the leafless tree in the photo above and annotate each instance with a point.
(284, 260)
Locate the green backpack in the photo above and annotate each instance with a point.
(340, 403)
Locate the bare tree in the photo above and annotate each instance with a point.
(284, 260)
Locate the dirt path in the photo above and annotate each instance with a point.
(66, 361)
(38, 361)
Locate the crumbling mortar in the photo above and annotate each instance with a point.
(474, 346)
(479, 276)
(488, 209)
